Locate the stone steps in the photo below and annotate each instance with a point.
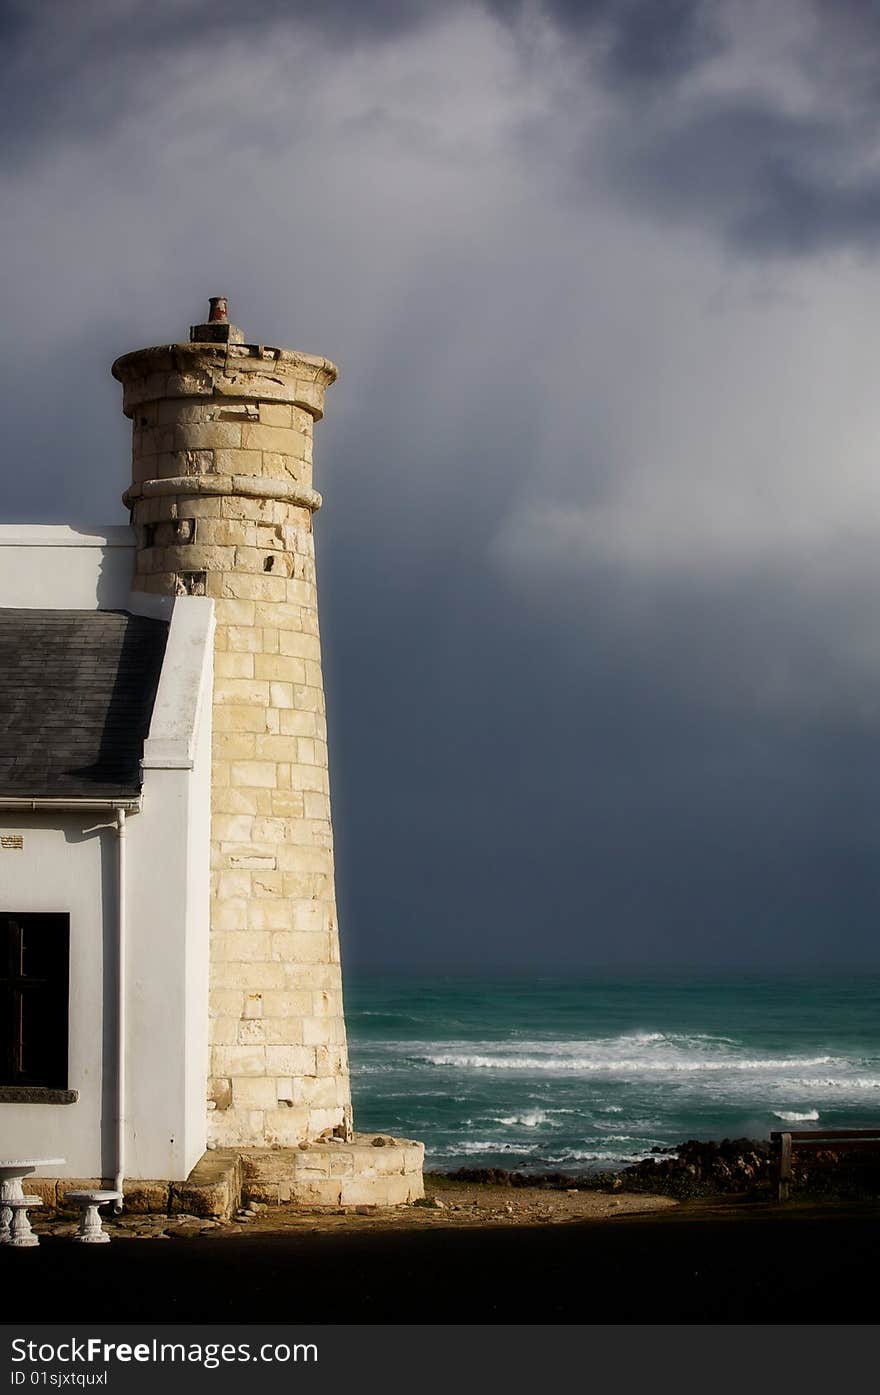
(366, 1170)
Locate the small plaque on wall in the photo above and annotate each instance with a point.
(12, 842)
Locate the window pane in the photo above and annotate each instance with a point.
(33, 999)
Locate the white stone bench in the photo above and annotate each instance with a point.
(20, 1233)
(91, 1231)
(12, 1173)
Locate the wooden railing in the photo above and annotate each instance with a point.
(783, 1144)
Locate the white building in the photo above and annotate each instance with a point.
(105, 766)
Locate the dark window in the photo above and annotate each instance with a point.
(34, 956)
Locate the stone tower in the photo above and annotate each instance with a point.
(222, 503)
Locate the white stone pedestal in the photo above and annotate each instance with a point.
(20, 1234)
(91, 1231)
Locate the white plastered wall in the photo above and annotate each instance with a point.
(168, 905)
(54, 567)
(64, 868)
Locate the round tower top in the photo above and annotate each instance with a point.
(217, 363)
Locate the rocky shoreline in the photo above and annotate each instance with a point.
(701, 1168)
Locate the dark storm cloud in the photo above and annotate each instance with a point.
(95, 60)
(633, 41)
(599, 767)
(656, 43)
(142, 26)
(745, 168)
(766, 181)
(766, 178)
(90, 63)
(609, 816)
(638, 38)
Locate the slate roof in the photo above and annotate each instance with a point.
(76, 695)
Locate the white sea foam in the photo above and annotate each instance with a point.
(856, 1082)
(793, 1116)
(531, 1119)
(568, 1155)
(589, 1061)
(622, 1138)
(474, 1147)
(628, 1055)
(546, 1157)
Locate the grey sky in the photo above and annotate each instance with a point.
(598, 558)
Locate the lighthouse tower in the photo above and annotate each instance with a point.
(222, 503)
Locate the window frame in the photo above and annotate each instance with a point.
(35, 999)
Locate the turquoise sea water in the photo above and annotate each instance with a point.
(578, 1076)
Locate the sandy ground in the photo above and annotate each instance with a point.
(447, 1204)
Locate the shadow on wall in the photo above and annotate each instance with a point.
(116, 560)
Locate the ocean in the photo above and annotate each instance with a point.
(580, 1076)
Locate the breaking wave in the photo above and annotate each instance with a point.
(531, 1119)
(611, 1056)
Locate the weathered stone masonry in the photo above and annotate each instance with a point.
(222, 501)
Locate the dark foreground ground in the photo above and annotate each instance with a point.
(700, 1261)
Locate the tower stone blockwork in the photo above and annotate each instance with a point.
(222, 503)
